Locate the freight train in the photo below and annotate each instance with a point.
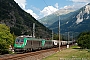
(28, 43)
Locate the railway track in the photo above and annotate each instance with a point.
(37, 55)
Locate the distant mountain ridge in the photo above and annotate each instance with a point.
(50, 19)
(74, 21)
(79, 21)
(19, 21)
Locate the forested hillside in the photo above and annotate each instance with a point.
(19, 21)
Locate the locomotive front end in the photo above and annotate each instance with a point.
(19, 44)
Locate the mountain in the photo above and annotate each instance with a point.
(19, 21)
(78, 21)
(50, 19)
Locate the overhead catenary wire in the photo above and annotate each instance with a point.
(47, 5)
(59, 25)
(51, 12)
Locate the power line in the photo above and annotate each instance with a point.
(59, 25)
(46, 5)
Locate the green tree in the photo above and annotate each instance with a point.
(6, 38)
(55, 37)
(84, 40)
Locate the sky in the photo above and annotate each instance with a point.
(41, 8)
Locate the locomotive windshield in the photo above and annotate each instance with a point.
(19, 40)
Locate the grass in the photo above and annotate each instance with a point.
(73, 52)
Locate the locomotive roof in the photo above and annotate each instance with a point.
(30, 38)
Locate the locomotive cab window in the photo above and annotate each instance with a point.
(19, 40)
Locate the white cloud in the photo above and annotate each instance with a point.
(32, 13)
(48, 10)
(74, 6)
(35, 8)
(77, 4)
(69, 7)
(56, 5)
(86, 1)
(21, 3)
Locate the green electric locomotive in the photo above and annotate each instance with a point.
(28, 43)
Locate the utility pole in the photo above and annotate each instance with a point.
(59, 34)
(72, 38)
(33, 30)
(68, 41)
(68, 37)
(52, 34)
